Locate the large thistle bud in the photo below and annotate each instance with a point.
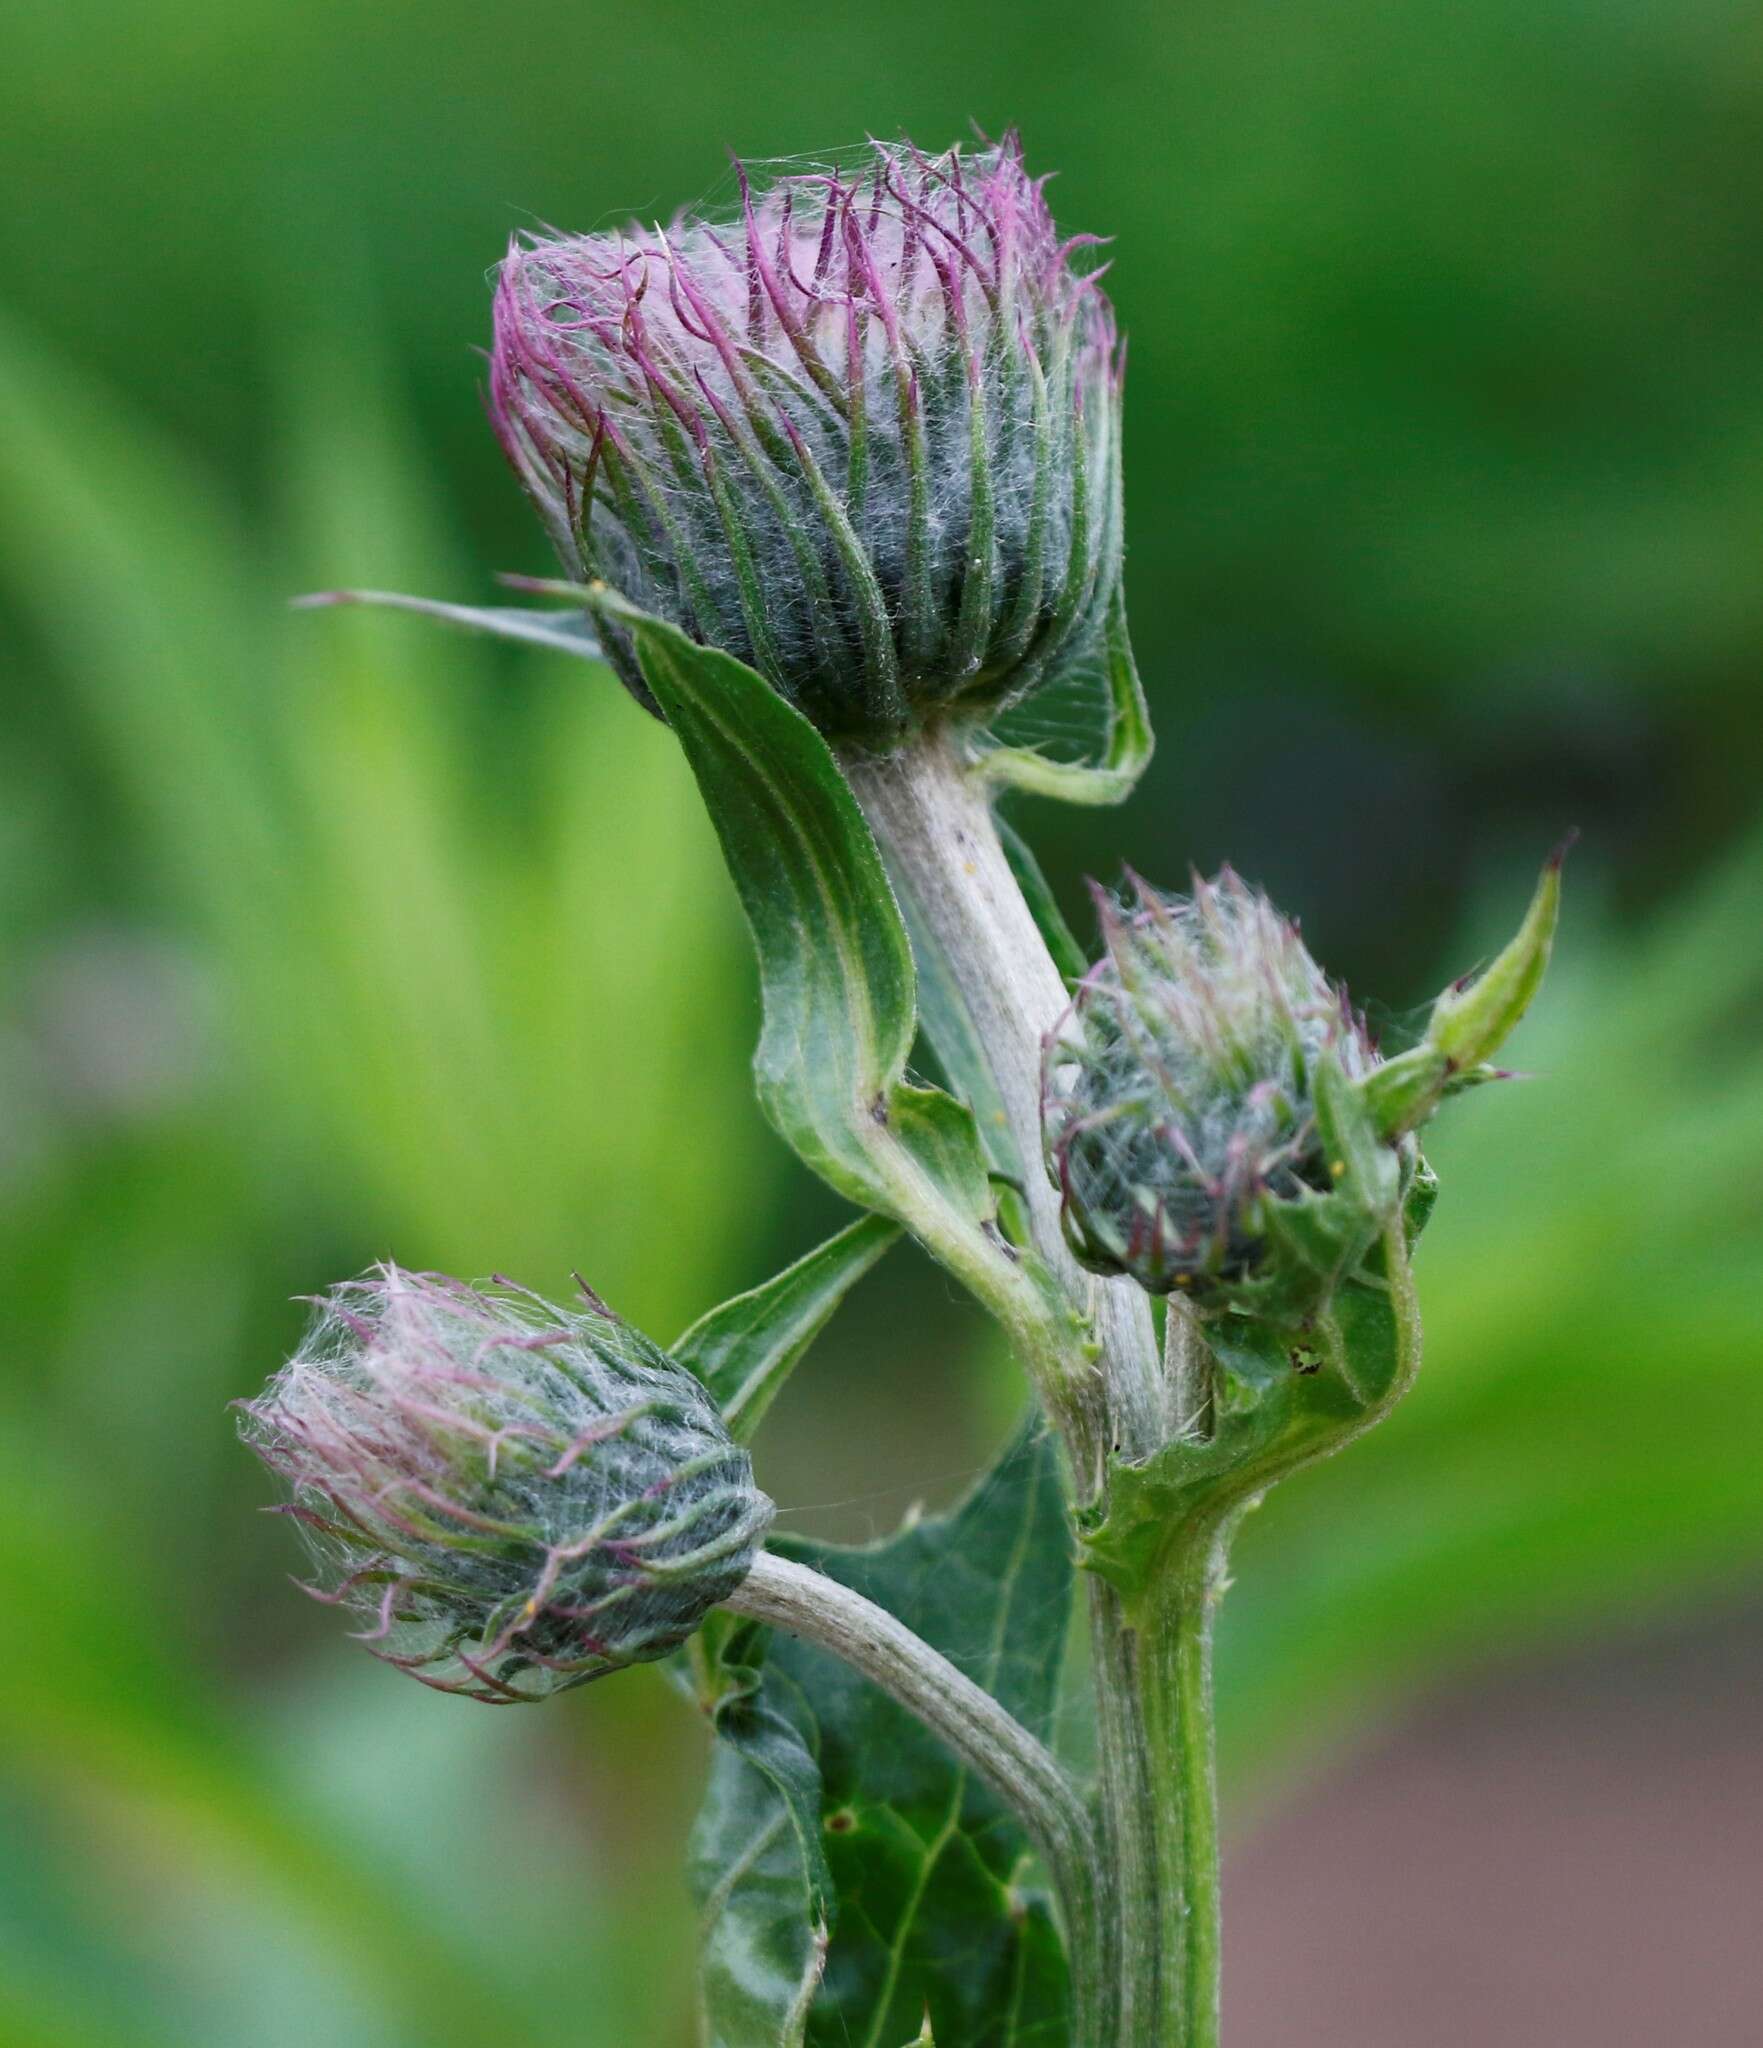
(514, 1497)
(864, 435)
(1216, 1116)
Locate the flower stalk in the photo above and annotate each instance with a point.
(929, 808)
(1017, 1766)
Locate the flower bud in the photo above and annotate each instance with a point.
(514, 1497)
(864, 436)
(1202, 1111)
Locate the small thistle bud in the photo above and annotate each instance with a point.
(514, 1497)
(863, 436)
(1201, 1109)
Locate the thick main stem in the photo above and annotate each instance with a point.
(1153, 1663)
(932, 817)
(1131, 1812)
(1017, 1766)
(1175, 1710)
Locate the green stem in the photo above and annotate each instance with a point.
(931, 813)
(1175, 1701)
(1102, 1385)
(1128, 1797)
(1018, 1767)
(1169, 1662)
(1153, 1684)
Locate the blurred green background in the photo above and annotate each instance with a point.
(324, 937)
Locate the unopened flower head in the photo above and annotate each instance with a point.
(1202, 1099)
(514, 1497)
(863, 434)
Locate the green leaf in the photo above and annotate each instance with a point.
(1278, 1403)
(835, 962)
(746, 1349)
(1470, 1021)
(562, 632)
(1114, 750)
(755, 1861)
(937, 1912)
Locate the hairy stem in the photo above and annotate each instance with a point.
(1175, 1703)
(1129, 1798)
(1017, 1766)
(932, 816)
(1169, 1665)
(1109, 1393)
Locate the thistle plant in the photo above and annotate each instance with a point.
(834, 478)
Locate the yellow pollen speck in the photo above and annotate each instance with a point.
(1337, 1167)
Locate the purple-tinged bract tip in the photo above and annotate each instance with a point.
(863, 433)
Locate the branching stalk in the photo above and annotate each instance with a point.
(1017, 1766)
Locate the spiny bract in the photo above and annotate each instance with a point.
(515, 1497)
(864, 436)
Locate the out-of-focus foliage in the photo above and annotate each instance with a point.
(1583, 1447)
(326, 938)
(360, 971)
